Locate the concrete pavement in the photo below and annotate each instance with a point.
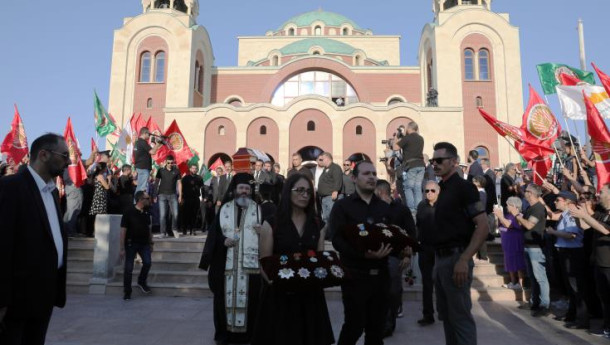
(152, 320)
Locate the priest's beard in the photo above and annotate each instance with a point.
(242, 201)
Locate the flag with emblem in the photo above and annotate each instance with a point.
(549, 74)
(76, 169)
(15, 144)
(539, 123)
(600, 142)
(176, 145)
(573, 105)
(104, 124)
(603, 77)
(154, 128)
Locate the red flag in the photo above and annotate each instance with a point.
(541, 165)
(93, 146)
(152, 126)
(603, 77)
(76, 169)
(217, 163)
(15, 144)
(137, 122)
(569, 80)
(176, 146)
(539, 124)
(600, 139)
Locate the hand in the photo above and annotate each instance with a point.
(381, 253)
(154, 199)
(257, 228)
(567, 173)
(229, 243)
(460, 272)
(334, 195)
(512, 210)
(218, 203)
(498, 212)
(548, 186)
(578, 212)
(404, 263)
(180, 200)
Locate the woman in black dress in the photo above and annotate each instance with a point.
(298, 318)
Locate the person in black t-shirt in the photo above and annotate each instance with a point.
(142, 153)
(136, 238)
(191, 190)
(412, 146)
(460, 228)
(126, 188)
(168, 181)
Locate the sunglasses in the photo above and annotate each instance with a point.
(438, 160)
(430, 190)
(347, 165)
(65, 155)
(302, 191)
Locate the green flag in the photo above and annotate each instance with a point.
(104, 124)
(205, 173)
(195, 159)
(118, 157)
(549, 75)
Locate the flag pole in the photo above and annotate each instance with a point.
(572, 142)
(558, 157)
(519, 153)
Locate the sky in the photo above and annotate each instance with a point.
(56, 53)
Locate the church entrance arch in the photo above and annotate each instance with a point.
(309, 154)
(358, 157)
(223, 157)
(310, 127)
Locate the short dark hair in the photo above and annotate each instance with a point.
(356, 170)
(169, 158)
(448, 147)
(259, 160)
(474, 154)
(48, 141)
(480, 180)
(139, 195)
(125, 167)
(296, 154)
(384, 186)
(144, 130)
(193, 165)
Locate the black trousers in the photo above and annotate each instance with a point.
(188, 218)
(602, 279)
(365, 306)
(426, 266)
(573, 265)
(25, 330)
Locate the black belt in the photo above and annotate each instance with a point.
(442, 252)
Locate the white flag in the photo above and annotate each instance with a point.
(573, 104)
(125, 142)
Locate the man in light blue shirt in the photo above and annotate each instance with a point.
(572, 260)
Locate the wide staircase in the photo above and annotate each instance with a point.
(175, 271)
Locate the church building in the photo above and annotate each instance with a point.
(321, 82)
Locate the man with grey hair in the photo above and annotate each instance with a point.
(534, 223)
(413, 167)
(508, 184)
(329, 185)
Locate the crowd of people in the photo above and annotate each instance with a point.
(555, 235)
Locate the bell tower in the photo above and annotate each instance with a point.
(161, 59)
(471, 56)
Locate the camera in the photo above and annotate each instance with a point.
(383, 159)
(154, 138)
(400, 132)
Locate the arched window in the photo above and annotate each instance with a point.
(149, 103)
(358, 60)
(317, 31)
(180, 6)
(145, 67)
(469, 64)
(483, 64)
(197, 68)
(395, 100)
(318, 83)
(483, 152)
(263, 130)
(160, 67)
(479, 102)
(311, 126)
(221, 130)
(316, 52)
(358, 130)
(291, 32)
(275, 61)
(344, 31)
(200, 78)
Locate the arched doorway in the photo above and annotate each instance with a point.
(394, 124)
(303, 135)
(359, 157)
(309, 155)
(223, 157)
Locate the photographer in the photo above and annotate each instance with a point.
(413, 167)
(142, 153)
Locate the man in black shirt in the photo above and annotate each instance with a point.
(191, 189)
(425, 225)
(127, 188)
(348, 187)
(412, 146)
(297, 168)
(136, 238)
(142, 153)
(533, 222)
(508, 186)
(460, 229)
(474, 167)
(365, 299)
(168, 180)
(329, 185)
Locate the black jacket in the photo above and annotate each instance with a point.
(331, 180)
(30, 282)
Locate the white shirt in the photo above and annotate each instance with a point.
(319, 171)
(46, 192)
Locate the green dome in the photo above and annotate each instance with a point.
(328, 18)
(329, 46)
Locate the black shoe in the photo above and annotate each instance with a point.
(528, 306)
(542, 311)
(425, 321)
(575, 325)
(127, 296)
(144, 287)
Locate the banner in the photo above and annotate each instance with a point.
(605, 79)
(176, 145)
(15, 144)
(104, 124)
(600, 142)
(573, 105)
(549, 75)
(76, 169)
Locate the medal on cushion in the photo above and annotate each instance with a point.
(363, 231)
(297, 256)
(320, 273)
(283, 259)
(304, 273)
(387, 233)
(327, 256)
(312, 256)
(286, 273)
(337, 271)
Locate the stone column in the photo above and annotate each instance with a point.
(107, 251)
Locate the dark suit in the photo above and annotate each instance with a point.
(31, 282)
(475, 170)
(219, 186)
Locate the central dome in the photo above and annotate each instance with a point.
(329, 18)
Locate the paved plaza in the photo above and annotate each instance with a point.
(151, 320)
